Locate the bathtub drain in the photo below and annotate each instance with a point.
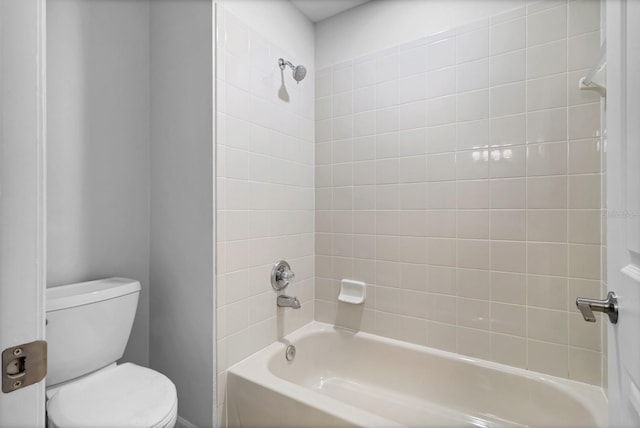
(290, 353)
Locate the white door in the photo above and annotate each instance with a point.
(22, 196)
(623, 199)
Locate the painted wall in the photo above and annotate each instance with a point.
(383, 24)
(459, 176)
(182, 217)
(98, 148)
(265, 190)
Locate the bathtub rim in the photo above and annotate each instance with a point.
(255, 368)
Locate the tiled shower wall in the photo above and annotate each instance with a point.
(265, 191)
(459, 176)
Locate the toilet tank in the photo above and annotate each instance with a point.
(88, 325)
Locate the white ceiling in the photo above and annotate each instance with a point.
(317, 10)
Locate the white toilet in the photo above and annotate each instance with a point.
(88, 325)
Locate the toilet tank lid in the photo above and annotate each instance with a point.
(84, 293)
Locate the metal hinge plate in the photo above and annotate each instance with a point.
(23, 365)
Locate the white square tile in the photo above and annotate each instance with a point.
(441, 167)
(441, 111)
(472, 164)
(508, 225)
(473, 75)
(387, 66)
(473, 45)
(585, 156)
(547, 292)
(584, 17)
(387, 94)
(547, 92)
(507, 162)
(323, 83)
(547, 125)
(547, 258)
(342, 151)
(548, 358)
(549, 326)
(472, 134)
(413, 115)
(584, 226)
(585, 191)
(412, 88)
(473, 224)
(508, 130)
(363, 124)
(508, 319)
(441, 195)
(547, 192)
(508, 36)
(547, 159)
(364, 73)
(441, 138)
(508, 287)
(364, 99)
(508, 99)
(547, 59)
(387, 120)
(547, 26)
(364, 148)
(387, 145)
(364, 173)
(342, 77)
(323, 108)
(441, 82)
(510, 350)
(474, 343)
(342, 127)
(387, 171)
(412, 61)
(472, 105)
(342, 104)
(508, 68)
(413, 196)
(547, 225)
(472, 194)
(583, 50)
(441, 54)
(584, 121)
(508, 256)
(412, 142)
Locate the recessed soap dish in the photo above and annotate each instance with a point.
(354, 292)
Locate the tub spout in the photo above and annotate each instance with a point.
(288, 302)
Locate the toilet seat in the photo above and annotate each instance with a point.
(126, 395)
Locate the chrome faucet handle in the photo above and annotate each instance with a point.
(281, 275)
(608, 306)
(286, 276)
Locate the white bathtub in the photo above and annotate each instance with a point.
(345, 378)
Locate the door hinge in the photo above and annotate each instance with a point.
(23, 365)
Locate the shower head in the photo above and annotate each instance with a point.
(299, 71)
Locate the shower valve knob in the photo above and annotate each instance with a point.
(287, 276)
(281, 275)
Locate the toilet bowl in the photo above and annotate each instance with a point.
(88, 325)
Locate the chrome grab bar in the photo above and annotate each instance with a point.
(608, 306)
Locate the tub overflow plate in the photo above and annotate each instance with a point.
(290, 353)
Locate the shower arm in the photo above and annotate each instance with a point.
(282, 63)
